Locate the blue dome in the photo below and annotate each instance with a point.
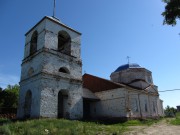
(126, 66)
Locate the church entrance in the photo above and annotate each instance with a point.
(27, 104)
(62, 104)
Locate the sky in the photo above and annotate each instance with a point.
(111, 31)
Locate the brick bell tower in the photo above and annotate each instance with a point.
(51, 72)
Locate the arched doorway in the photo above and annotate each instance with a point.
(62, 104)
(27, 104)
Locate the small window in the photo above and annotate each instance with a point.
(64, 42)
(33, 45)
(145, 106)
(136, 107)
(154, 107)
(64, 70)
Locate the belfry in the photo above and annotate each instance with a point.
(51, 73)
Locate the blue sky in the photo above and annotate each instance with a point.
(111, 31)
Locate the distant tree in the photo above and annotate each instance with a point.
(172, 12)
(9, 96)
(1, 89)
(170, 111)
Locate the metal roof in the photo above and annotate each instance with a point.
(126, 66)
(97, 84)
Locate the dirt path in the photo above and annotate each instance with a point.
(160, 128)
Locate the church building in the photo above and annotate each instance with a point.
(52, 85)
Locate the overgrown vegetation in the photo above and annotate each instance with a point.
(66, 127)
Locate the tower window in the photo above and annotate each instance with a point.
(64, 42)
(64, 70)
(33, 45)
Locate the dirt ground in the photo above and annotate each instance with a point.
(160, 128)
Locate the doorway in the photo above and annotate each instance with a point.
(86, 109)
(27, 104)
(62, 104)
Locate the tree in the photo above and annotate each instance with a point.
(9, 96)
(170, 111)
(172, 12)
(1, 89)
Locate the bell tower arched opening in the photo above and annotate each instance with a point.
(64, 42)
(33, 45)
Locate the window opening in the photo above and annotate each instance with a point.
(64, 70)
(33, 45)
(64, 42)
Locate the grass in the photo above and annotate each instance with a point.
(176, 121)
(66, 127)
(146, 122)
(178, 115)
(60, 127)
(4, 121)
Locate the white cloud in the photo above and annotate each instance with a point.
(8, 79)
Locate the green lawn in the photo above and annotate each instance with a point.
(66, 127)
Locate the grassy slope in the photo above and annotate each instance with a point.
(66, 127)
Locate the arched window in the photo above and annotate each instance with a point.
(33, 45)
(64, 42)
(64, 70)
(27, 104)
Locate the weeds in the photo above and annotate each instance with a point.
(59, 126)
